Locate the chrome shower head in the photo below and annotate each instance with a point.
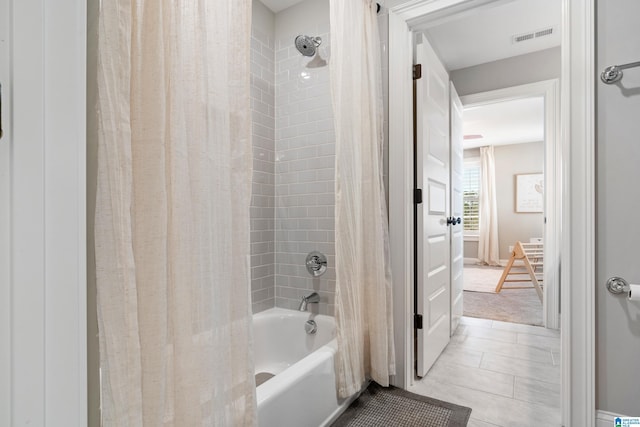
(307, 45)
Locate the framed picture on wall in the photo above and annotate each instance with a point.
(529, 192)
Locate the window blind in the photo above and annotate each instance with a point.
(471, 186)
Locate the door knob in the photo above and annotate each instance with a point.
(452, 220)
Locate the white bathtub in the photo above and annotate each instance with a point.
(303, 391)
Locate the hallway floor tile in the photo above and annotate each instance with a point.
(504, 372)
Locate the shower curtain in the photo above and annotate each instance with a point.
(172, 213)
(363, 279)
(488, 244)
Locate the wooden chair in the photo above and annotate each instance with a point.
(530, 257)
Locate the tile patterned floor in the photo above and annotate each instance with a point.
(507, 373)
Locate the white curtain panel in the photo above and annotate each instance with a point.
(172, 214)
(363, 279)
(488, 244)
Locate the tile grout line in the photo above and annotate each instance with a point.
(486, 422)
(532, 405)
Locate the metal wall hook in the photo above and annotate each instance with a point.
(613, 73)
(617, 285)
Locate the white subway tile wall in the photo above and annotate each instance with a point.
(305, 158)
(263, 195)
(292, 210)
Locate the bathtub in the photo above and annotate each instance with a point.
(302, 391)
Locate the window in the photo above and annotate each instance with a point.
(471, 186)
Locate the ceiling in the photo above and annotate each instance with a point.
(508, 122)
(484, 34)
(279, 5)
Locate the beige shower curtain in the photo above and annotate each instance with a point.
(488, 244)
(363, 279)
(172, 214)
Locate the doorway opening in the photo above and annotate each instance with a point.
(487, 357)
(528, 193)
(503, 189)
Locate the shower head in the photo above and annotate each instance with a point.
(307, 45)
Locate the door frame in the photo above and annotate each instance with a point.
(43, 371)
(550, 91)
(577, 210)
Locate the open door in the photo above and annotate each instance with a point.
(432, 229)
(457, 209)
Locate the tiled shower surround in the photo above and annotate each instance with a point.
(305, 169)
(263, 135)
(292, 206)
(293, 201)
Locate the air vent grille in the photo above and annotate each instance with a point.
(545, 32)
(519, 38)
(523, 37)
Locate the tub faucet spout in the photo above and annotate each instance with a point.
(313, 298)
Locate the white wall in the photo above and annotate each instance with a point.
(515, 71)
(511, 160)
(618, 204)
(512, 226)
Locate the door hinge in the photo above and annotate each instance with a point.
(417, 196)
(417, 71)
(417, 320)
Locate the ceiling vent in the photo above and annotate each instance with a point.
(519, 38)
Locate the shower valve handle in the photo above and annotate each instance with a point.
(316, 263)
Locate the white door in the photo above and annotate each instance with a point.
(433, 251)
(457, 192)
(42, 214)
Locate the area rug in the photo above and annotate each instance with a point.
(481, 279)
(510, 305)
(379, 406)
(485, 278)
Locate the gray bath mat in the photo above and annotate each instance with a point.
(379, 406)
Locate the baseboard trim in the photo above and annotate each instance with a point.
(606, 419)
